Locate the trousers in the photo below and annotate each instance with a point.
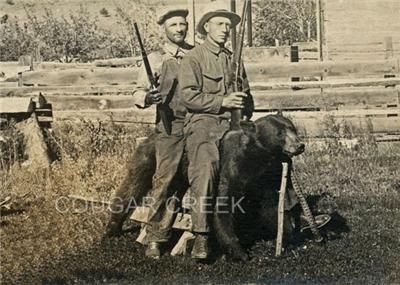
(203, 136)
(162, 200)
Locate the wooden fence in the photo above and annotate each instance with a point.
(355, 29)
(357, 94)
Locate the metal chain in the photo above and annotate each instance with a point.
(304, 205)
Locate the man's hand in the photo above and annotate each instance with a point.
(235, 100)
(153, 97)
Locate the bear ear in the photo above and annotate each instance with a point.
(280, 112)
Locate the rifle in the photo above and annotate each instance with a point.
(161, 108)
(236, 80)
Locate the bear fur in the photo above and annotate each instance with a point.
(251, 167)
(253, 172)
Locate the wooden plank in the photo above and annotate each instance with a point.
(364, 44)
(61, 66)
(317, 124)
(356, 113)
(347, 21)
(356, 49)
(44, 112)
(10, 69)
(310, 123)
(7, 84)
(325, 84)
(93, 76)
(308, 55)
(71, 90)
(16, 105)
(123, 116)
(280, 69)
(358, 56)
(256, 86)
(363, 97)
(181, 246)
(256, 72)
(273, 100)
(95, 102)
(119, 62)
(265, 70)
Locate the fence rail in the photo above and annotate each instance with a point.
(358, 94)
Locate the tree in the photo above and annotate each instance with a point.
(283, 20)
(15, 40)
(144, 15)
(66, 39)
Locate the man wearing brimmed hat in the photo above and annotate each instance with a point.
(206, 91)
(169, 148)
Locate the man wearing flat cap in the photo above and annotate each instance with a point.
(206, 92)
(169, 148)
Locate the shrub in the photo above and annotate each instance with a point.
(104, 12)
(11, 146)
(15, 39)
(77, 37)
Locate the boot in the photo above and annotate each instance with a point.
(153, 250)
(200, 248)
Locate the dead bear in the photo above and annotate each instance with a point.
(250, 173)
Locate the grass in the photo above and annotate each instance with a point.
(40, 245)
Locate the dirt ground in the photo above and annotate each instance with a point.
(43, 245)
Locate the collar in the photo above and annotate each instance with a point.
(216, 49)
(175, 50)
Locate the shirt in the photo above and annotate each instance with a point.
(166, 64)
(205, 78)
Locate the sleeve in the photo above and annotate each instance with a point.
(249, 102)
(143, 83)
(191, 82)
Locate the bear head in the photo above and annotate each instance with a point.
(278, 135)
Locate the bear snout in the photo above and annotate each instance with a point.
(301, 147)
(294, 149)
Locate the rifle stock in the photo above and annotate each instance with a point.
(161, 108)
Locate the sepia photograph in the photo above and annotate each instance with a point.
(200, 142)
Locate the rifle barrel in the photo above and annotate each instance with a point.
(161, 108)
(146, 63)
(236, 114)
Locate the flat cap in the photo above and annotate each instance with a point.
(165, 15)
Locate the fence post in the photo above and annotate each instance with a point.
(294, 57)
(19, 79)
(319, 29)
(388, 46)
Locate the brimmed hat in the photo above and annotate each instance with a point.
(165, 15)
(235, 19)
